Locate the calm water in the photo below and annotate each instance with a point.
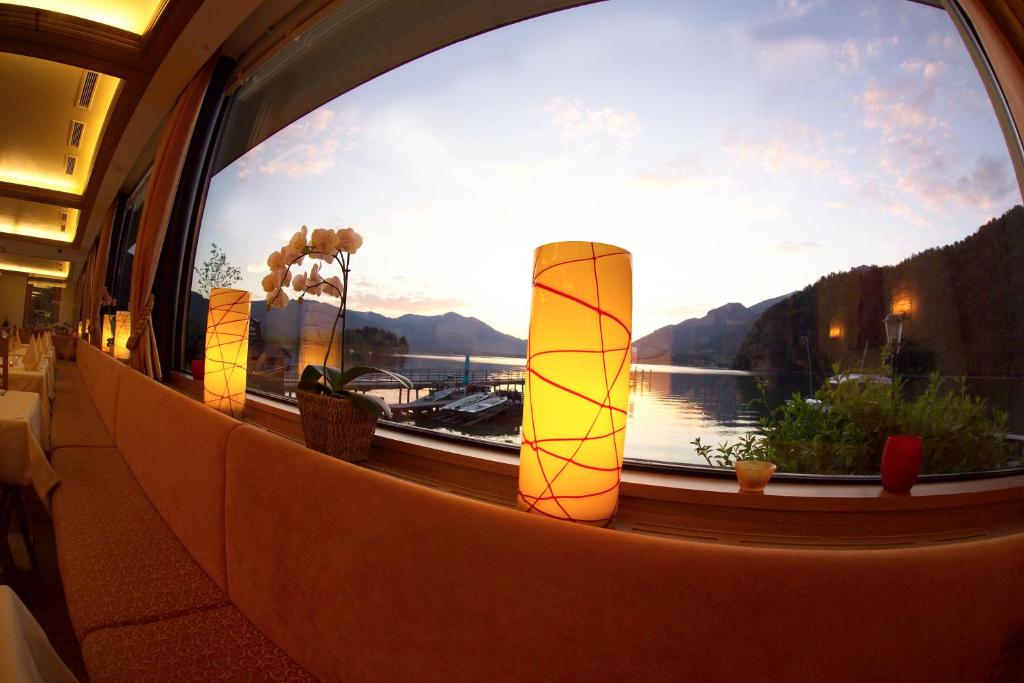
(672, 405)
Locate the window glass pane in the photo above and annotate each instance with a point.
(126, 254)
(786, 175)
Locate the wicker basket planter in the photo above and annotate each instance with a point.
(336, 426)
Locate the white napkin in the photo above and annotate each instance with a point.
(31, 361)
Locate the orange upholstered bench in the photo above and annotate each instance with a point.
(139, 527)
(200, 548)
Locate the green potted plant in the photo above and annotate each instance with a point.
(336, 420)
(749, 456)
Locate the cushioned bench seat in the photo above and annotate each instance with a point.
(140, 533)
(120, 562)
(217, 644)
(202, 549)
(75, 420)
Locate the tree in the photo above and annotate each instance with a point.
(216, 272)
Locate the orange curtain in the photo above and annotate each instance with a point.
(1000, 28)
(90, 285)
(156, 213)
(81, 296)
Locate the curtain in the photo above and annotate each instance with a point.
(94, 280)
(81, 301)
(1000, 28)
(156, 212)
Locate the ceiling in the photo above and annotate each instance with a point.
(85, 86)
(134, 16)
(51, 119)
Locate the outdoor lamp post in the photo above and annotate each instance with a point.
(894, 337)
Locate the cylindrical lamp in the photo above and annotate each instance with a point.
(106, 332)
(577, 382)
(227, 351)
(122, 330)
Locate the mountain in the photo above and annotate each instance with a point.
(449, 334)
(709, 341)
(963, 307)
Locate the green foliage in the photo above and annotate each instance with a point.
(375, 339)
(843, 428)
(215, 272)
(332, 382)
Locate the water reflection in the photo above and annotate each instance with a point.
(669, 405)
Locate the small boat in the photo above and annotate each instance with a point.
(484, 408)
(465, 401)
(430, 403)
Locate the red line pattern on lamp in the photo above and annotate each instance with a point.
(577, 382)
(227, 351)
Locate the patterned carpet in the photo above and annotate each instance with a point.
(41, 590)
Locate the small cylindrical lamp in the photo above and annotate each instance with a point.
(227, 351)
(577, 382)
(122, 331)
(106, 332)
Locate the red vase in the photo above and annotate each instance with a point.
(901, 463)
(198, 369)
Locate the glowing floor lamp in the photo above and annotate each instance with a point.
(106, 333)
(577, 382)
(122, 331)
(227, 351)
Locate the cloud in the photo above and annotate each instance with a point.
(687, 168)
(851, 54)
(576, 122)
(838, 205)
(915, 147)
(891, 110)
(308, 147)
(792, 147)
(403, 303)
(797, 8)
(984, 186)
(791, 247)
(531, 170)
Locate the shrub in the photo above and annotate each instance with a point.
(843, 428)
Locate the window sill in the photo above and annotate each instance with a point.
(711, 509)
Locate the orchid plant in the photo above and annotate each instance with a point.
(328, 247)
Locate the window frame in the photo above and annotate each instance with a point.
(199, 189)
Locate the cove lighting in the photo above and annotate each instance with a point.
(134, 16)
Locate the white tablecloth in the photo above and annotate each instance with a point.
(22, 461)
(39, 381)
(25, 652)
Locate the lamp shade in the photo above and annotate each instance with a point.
(577, 382)
(122, 330)
(227, 351)
(106, 331)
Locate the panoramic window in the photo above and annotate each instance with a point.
(823, 217)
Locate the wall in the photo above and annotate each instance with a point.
(67, 304)
(12, 297)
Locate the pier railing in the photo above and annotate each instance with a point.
(434, 378)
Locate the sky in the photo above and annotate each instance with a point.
(739, 150)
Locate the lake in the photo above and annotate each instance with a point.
(670, 406)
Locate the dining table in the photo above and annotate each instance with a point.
(26, 654)
(40, 381)
(22, 456)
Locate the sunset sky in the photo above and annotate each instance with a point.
(740, 150)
